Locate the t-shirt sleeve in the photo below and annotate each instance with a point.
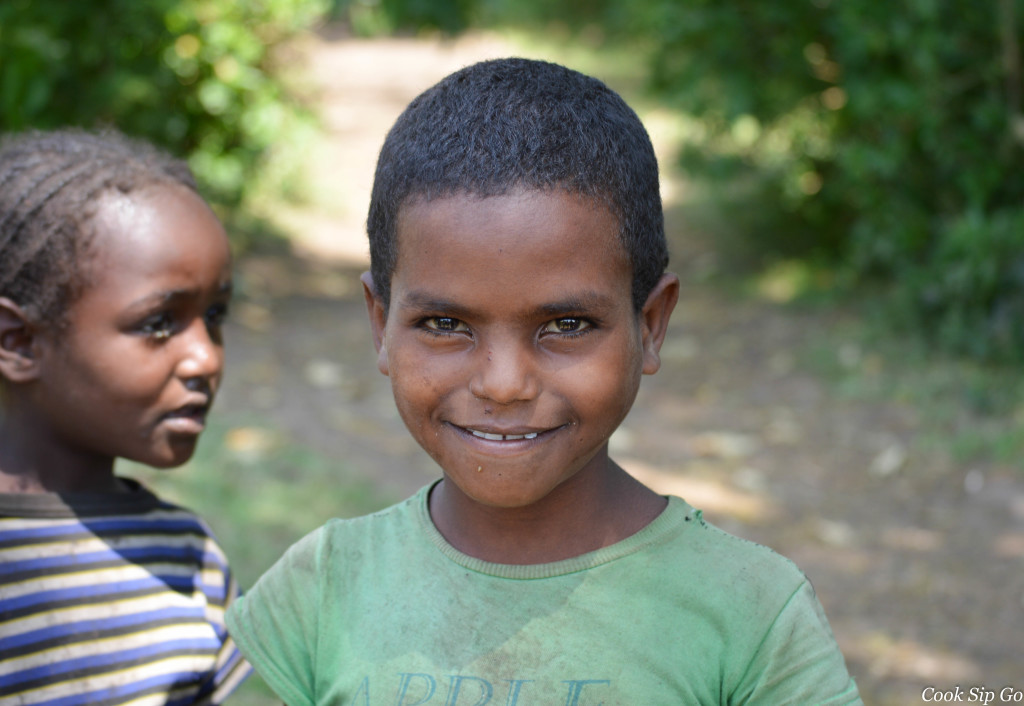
(798, 661)
(275, 623)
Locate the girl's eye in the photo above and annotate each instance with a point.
(158, 327)
(567, 325)
(444, 324)
(216, 315)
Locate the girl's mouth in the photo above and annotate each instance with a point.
(190, 419)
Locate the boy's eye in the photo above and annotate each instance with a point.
(444, 324)
(159, 326)
(567, 324)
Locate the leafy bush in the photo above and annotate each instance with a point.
(886, 137)
(195, 76)
(381, 17)
(970, 290)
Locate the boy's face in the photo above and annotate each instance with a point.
(136, 370)
(511, 340)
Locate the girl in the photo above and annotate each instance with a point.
(114, 282)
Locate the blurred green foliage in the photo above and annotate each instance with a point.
(370, 18)
(883, 138)
(196, 76)
(878, 140)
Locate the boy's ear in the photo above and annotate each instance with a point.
(654, 318)
(18, 359)
(378, 319)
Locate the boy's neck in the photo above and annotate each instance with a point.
(29, 464)
(574, 519)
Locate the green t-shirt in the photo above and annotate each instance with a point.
(382, 610)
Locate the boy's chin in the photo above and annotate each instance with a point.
(484, 489)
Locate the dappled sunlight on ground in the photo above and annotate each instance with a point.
(709, 495)
(1009, 545)
(909, 665)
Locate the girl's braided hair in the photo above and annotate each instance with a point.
(50, 183)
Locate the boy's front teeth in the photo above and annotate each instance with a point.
(503, 437)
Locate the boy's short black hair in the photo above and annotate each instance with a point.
(49, 186)
(506, 123)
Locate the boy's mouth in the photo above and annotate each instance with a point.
(506, 434)
(502, 437)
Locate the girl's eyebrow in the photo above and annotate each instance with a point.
(225, 290)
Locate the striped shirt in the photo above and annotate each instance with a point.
(112, 599)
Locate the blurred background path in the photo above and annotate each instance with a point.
(916, 559)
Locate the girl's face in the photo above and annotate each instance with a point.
(135, 372)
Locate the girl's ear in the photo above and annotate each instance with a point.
(18, 359)
(378, 320)
(654, 319)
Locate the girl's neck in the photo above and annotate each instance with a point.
(29, 464)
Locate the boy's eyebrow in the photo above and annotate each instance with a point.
(424, 302)
(578, 302)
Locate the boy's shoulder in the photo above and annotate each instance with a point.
(734, 575)
(400, 522)
(732, 554)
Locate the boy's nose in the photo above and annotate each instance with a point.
(503, 374)
(203, 355)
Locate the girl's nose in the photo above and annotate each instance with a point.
(504, 374)
(203, 354)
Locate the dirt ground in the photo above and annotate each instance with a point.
(918, 562)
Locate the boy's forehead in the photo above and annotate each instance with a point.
(522, 206)
(520, 240)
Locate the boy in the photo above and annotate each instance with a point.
(517, 294)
